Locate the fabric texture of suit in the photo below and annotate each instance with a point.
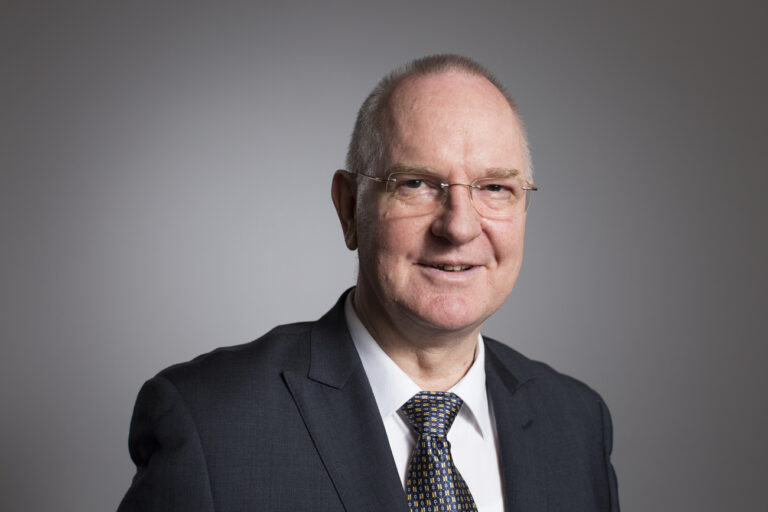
(289, 422)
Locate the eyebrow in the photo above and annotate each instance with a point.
(501, 172)
(411, 168)
(493, 172)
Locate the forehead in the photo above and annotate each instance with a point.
(454, 119)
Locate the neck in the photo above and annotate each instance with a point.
(435, 360)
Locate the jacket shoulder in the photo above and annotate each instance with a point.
(286, 347)
(540, 375)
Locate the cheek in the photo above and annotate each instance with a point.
(506, 239)
(397, 246)
(508, 250)
(401, 236)
(387, 246)
(368, 226)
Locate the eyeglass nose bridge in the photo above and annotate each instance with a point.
(445, 187)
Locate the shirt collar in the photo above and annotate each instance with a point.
(471, 389)
(392, 387)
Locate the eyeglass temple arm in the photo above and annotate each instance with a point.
(374, 178)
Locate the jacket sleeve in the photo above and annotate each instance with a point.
(607, 449)
(171, 471)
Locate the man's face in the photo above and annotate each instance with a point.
(461, 128)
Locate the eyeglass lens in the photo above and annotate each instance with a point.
(493, 197)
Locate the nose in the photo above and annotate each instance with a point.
(457, 220)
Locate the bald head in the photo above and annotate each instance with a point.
(456, 81)
(457, 117)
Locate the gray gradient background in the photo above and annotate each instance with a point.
(136, 144)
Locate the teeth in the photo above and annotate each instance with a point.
(453, 268)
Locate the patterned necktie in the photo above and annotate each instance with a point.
(433, 483)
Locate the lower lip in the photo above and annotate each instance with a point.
(454, 277)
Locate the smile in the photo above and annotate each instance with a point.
(452, 268)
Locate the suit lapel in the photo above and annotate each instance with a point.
(523, 474)
(337, 404)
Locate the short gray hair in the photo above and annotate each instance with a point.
(368, 148)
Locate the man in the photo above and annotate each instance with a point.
(393, 400)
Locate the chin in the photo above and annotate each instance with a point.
(448, 313)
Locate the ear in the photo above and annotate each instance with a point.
(344, 194)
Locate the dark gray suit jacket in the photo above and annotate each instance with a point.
(289, 422)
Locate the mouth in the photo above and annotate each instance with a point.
(451, 268)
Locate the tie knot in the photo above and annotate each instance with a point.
(432, 413)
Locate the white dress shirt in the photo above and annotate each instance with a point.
(472, 436)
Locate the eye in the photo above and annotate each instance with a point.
(415, 187)
(498, 189)
(412, 183)
(494, 187)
